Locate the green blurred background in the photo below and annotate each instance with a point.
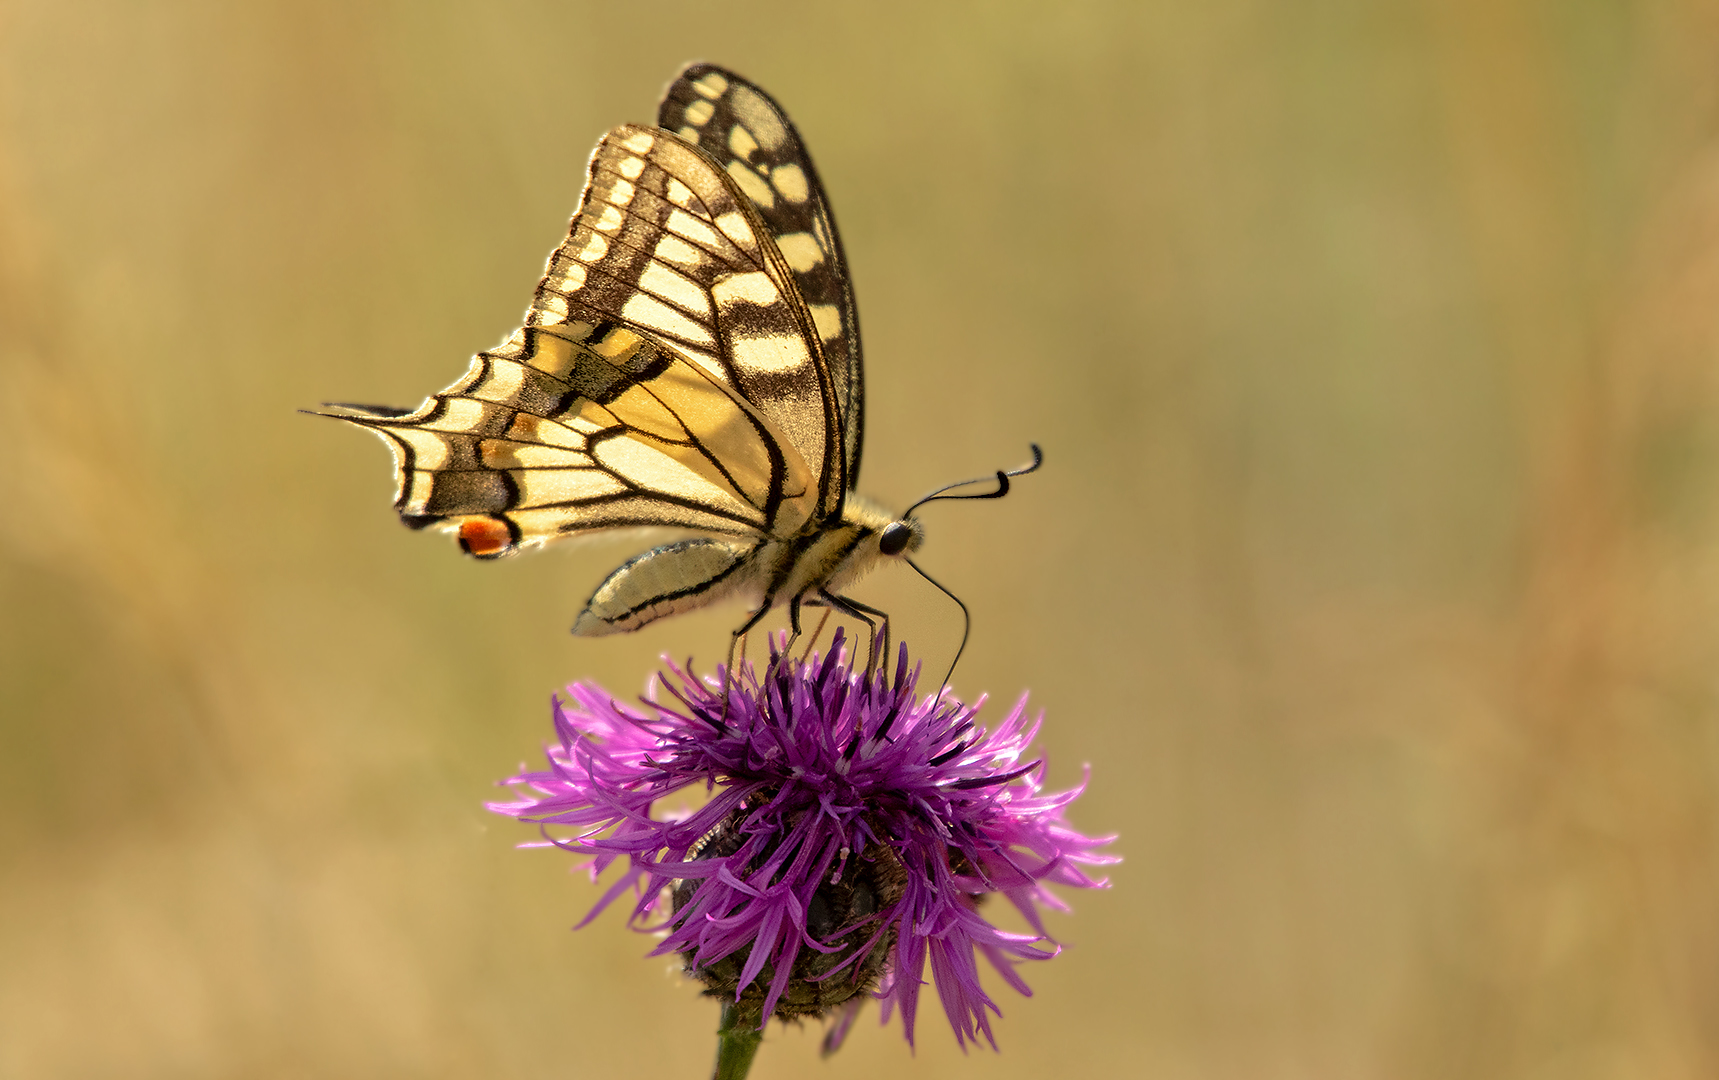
(1375, 565)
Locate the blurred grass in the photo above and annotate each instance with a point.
(1375, 351)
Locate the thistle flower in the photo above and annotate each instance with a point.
(851, 835)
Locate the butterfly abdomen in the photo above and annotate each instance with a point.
(664, 581)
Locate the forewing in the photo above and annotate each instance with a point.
(749, 136)
(580, 426)
(666, 244)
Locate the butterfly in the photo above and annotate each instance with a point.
(690, 359)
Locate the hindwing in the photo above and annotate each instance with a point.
(580, 426)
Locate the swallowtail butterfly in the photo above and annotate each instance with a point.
(691, 359)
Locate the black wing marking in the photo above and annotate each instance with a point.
(666, 243)
(751, 138)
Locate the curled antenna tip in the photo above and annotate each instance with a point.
(1001, 476)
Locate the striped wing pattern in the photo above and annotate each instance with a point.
(669, 373)
(585, 426)
(745, 132)
(667, 244)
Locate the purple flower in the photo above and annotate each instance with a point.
(851, 835)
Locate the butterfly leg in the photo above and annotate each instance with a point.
(863, 612)
(734, 641)
(793, 625)
(817, 632)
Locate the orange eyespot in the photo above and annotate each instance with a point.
(485, 537)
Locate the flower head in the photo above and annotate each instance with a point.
(851, 833)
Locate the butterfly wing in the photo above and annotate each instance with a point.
(667, 374)
(577, 427)
(751, 138)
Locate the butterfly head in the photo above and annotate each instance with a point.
(900, 537)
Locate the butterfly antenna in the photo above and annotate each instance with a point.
(966, 619)
(1002, 477)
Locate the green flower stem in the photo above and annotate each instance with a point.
(737, 1040)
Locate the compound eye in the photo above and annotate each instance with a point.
(893, 540)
